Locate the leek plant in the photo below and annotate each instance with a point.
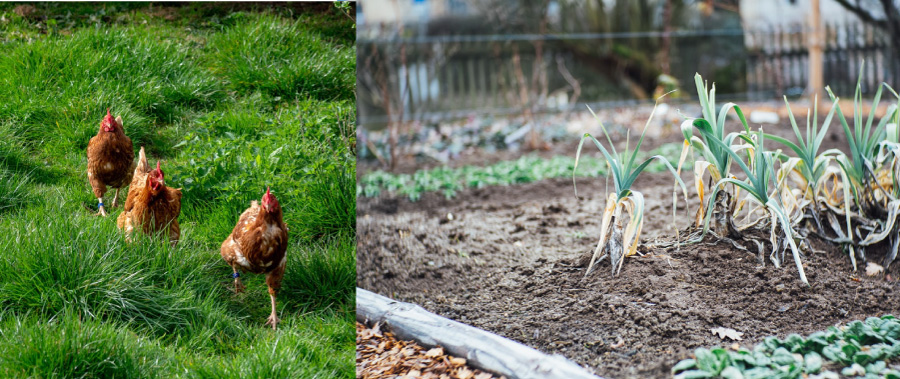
(757, 184)
(714, 146)
(809, 167)
(866, 179)
(623, 215)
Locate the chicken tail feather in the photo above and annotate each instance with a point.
(142, 166)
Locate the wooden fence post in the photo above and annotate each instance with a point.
(815, 41)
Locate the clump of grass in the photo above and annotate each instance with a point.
(331, 206)
(13, 189)
(68, 347)
(57, 264)
(322, 274)
(298, 352)
(58, 89)
(301, 153)
(283, 59)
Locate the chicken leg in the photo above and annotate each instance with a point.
(273, 280)
(238, 286)
(273, 318)
(101, 211)
(115, 202)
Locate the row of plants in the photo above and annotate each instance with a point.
(527, 169)
(771, 199)
(859, 349)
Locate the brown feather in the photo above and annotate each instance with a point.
(151, 210)
(261, 238)
(142, 168)
(110, 160)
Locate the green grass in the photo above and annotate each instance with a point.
(226, 119)
(527, 169)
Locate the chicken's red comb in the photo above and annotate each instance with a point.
(108, 121)
(159, 169)
(267, 197)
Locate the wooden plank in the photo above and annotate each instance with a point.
(481, 349)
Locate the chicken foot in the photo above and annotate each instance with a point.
(101, 211)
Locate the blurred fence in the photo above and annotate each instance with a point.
(446, 77)
(778, 59)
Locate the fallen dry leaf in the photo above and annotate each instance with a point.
(873, 269)
(727, 332)
(618, 343)
(435, 352)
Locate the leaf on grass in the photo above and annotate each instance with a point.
(727, 333)
(873, 269)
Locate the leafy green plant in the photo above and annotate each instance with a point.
(526, 169)
(617, 242)
(862, 348)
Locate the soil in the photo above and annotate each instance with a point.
(510, 260)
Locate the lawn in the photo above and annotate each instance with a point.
(231, 98)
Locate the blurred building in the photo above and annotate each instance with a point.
(796, 12)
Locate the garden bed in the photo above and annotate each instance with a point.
(510, 260)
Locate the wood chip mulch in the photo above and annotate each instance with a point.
(379, 355)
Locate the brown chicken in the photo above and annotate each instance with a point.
(258, 244)
(110, 159)
(151, 206)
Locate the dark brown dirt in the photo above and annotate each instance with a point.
(507, 262)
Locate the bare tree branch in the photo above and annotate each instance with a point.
(859, 11)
